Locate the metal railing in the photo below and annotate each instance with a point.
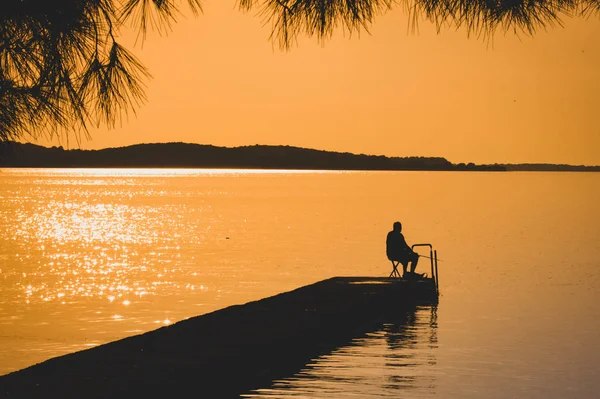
(434, 263)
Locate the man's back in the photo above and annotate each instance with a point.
(395, 245)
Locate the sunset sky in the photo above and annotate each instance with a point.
(217, 79)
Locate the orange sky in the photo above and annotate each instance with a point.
(217, 79)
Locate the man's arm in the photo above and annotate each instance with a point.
(405, 246)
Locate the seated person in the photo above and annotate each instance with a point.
(398, 250)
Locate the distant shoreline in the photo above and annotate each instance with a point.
(184, 155)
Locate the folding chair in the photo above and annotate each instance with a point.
(395, 272)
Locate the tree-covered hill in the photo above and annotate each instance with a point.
(182, 155)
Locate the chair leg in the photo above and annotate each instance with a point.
(395, 272)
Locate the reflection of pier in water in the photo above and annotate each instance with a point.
(398, 356)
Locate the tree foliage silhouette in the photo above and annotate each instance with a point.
(62, 68)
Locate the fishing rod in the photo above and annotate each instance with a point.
(428, 257)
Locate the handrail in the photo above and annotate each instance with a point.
(437, 279)
(434, 266)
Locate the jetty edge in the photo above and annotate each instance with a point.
(228, 352)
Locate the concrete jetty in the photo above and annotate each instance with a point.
(227, 352)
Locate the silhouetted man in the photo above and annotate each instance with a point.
(397, 249)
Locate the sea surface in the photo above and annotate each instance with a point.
(88, 256)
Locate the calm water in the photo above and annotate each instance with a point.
(89, 256)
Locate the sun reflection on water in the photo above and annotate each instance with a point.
(100, 246)
(106, 262)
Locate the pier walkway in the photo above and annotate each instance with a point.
(227, 352)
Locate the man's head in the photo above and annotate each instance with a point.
(397, 227)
